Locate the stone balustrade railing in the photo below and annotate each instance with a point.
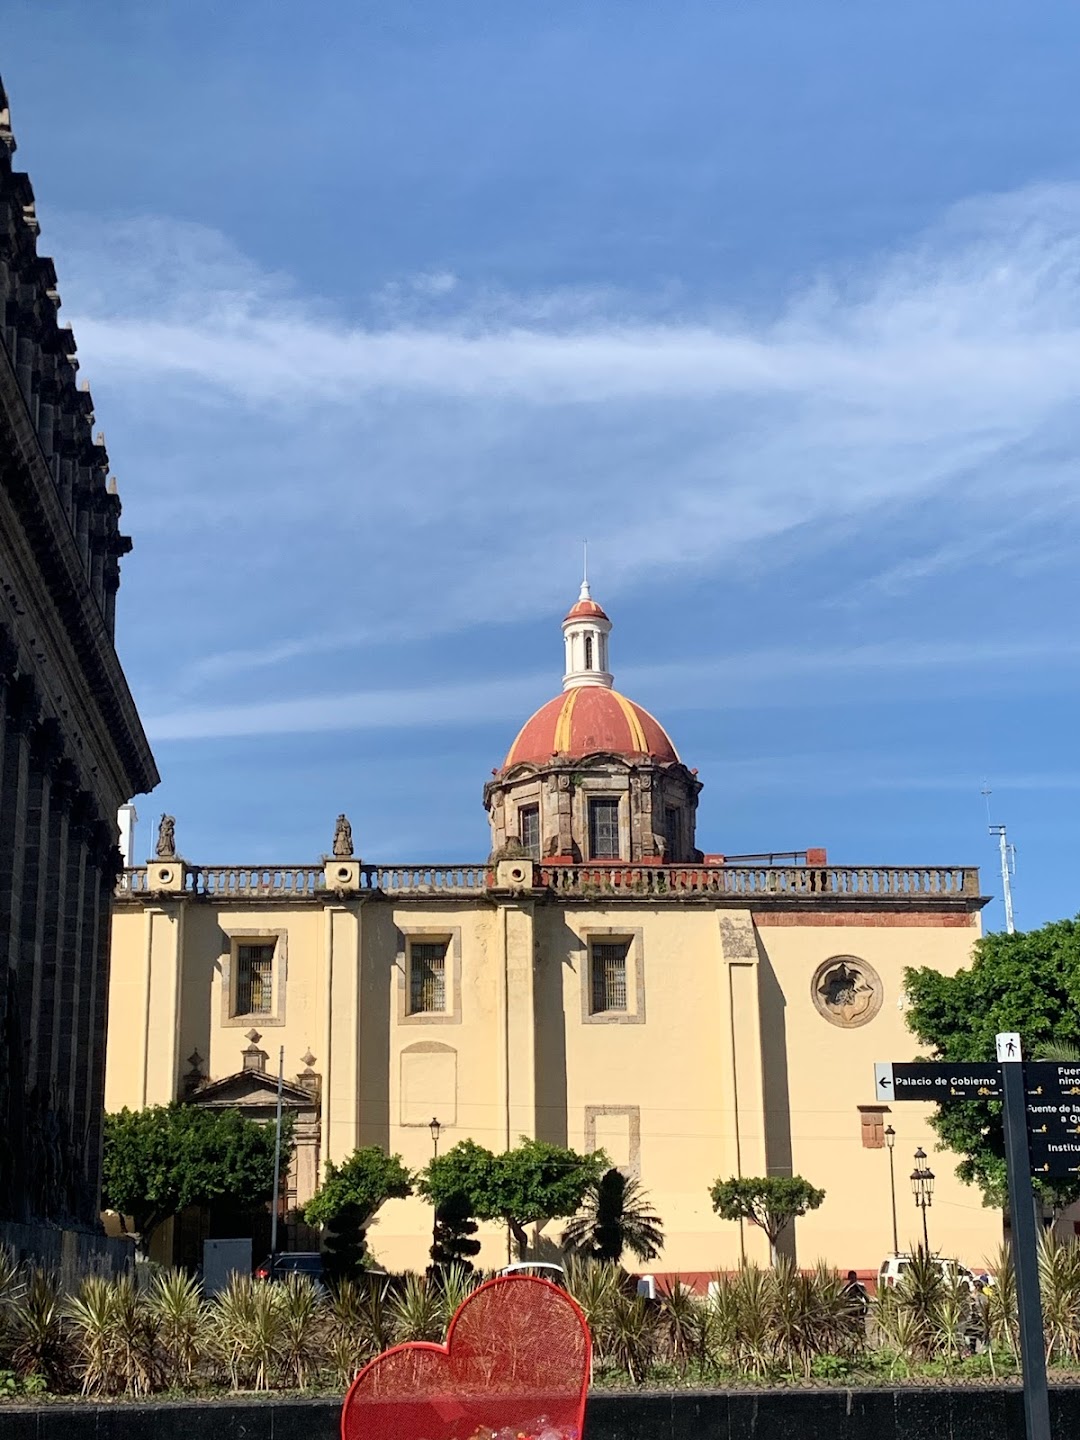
(758, 884)
(876, 882)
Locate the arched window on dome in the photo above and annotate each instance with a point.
(588, 652)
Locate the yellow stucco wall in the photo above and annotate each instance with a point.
(722, 1064)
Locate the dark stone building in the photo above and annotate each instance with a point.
(72, 749)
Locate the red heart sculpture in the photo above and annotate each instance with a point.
(515, 1363)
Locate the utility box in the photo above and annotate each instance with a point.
(221, 1259)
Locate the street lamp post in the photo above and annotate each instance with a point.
(435, 1129)
(890, 1142)
(922, 1187)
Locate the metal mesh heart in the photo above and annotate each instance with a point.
(515, 1363)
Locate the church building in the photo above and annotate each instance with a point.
(600, 981)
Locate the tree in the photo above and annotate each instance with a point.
(158, 1161)
(452, 1242)
(350, 1197)
(1027, 982)
(771, 1201)
(529, 1185)
(615, 1217)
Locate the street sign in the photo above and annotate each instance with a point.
(1051, 1078)
(1008, 1046)
(934, 1082)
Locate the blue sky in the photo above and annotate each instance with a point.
(386, 307)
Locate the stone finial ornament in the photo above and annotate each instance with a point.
(166, 838)
(343, 841)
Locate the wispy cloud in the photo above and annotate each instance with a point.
(769, 678)
(428, 462)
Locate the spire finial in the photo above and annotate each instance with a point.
(585, 593)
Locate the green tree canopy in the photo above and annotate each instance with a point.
(350, 1197)
(529, 1185)
(615, 1216)
(1027, 982)
(159, 1160)
(771, 1201)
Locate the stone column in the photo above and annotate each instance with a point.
(37, 957)
(71, 967)
(102, 876)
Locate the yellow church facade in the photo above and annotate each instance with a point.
(599, 982)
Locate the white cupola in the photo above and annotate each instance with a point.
(585, 635)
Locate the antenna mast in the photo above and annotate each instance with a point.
(1008, 864)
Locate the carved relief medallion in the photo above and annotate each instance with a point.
(847, 991)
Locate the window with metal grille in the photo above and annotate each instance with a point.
(671, 833)
(427, 976)
(255, 979)
(603, 829)
(529, 830)
(608, 960)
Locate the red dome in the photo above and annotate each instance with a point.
(585, 609)
(588, 719)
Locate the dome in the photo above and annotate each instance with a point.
(585, 609)
(586, 720)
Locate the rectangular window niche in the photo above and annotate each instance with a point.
(254, 975)
(616, 1129)
(625, 984)
(428, 966)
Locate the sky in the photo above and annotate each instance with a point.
(386, 308)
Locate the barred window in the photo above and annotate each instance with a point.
(427, 976)
(529, 830)
(255, 979)
(604, 829)
(607, 959)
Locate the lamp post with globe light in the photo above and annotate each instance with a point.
(922, 1187)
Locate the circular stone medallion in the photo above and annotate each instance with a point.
(847, 991)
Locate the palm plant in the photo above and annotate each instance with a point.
(615, 1217)
(347, 1333)
(453, 1284)
(133, 1336)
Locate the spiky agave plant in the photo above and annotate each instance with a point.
(133, 1334)
(175, 1301)
(347, 1347)
(1059, 1285)
(89, 1315)
(721, 1323)
(416, 1311)
(231, 1321)
(681, 1324)
(453, 1285)
(594, 1285)
(755, 1347)
(377, 1320)
(38, 1345)
(919, 1296)
(1002, 1310)
(302, 1310)
(632, 1335)
(951, 1320)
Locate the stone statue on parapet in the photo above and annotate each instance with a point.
(343, 842)
(166, 838)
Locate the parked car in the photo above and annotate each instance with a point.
(292, 1262)
(893, 1267)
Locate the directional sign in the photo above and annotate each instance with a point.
(1049, 1078)
(895, 1081)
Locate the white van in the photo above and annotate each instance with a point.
(893, 1266)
